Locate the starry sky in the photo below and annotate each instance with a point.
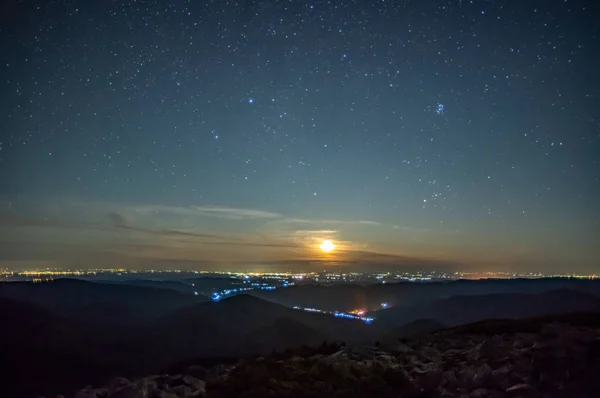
(229, 134)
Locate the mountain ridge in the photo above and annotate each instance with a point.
(561, 359)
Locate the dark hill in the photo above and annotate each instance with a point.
(283, 334)
(25, 323)
(459, 310)
(346, 297)
(99, 304)
(42, 351)
(560, 359)
(417, 327)
(221, 329)
(179, 286)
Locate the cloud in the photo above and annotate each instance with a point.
(325, 221)
(314, 232)
(364, 260)
(228, 212)
(207, 211)
(119, 221)
(257, 244)
(129, 234)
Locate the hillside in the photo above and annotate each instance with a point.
(222, 329)
(551, 357)
(87, 340)
(466, 309)
(62, 353)
(347, 297)
(35, 343)
(113, 310)
(66, 295)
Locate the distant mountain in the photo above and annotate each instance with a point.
(553, 356)
(238, 325)
(346, 297)
(179, 286)
(36, 344)
(102, 306)
(459, 310)
(68, 333)
(282, 334)
(28, 324)
(420, 326)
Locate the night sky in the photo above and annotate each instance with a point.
(224, 134)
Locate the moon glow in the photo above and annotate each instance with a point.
(327, 246)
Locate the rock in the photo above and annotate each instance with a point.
(429, 381)
(181, 391)
(522, 366)
(465, 377)
(167, 394)
(197, 371)
(337, 356)
(450, 379)
(377, 366)
(482, 376)
(510, 365)
(195, 383)
(504, 377)
(130, 391)
(486, 349)
(521, 390)
(89, 392)
(480, 393)
(116, 383)
(362, 352)
(403, 349)
(219, 372)
(385, 359)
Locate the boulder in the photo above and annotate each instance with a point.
(480, 393)
(166, 394)
(182, 391)
(197, 371)
(485, 350)
(129, 391)
(196, 384)
(90, 392)
(116, 383)
(429, 381)
(465, 377)
(385, 359)
(522, 390)
(504, 377)
(482, 376)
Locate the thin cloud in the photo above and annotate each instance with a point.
(314, 232)
(256, 244)
(229, 212)
(326, 221)
(119, 221)
(207, 211)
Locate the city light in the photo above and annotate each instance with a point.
(337, 314)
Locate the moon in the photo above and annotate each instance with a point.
(327, 246)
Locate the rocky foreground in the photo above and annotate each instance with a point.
(558, 360)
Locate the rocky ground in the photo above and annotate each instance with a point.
(558, 360)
